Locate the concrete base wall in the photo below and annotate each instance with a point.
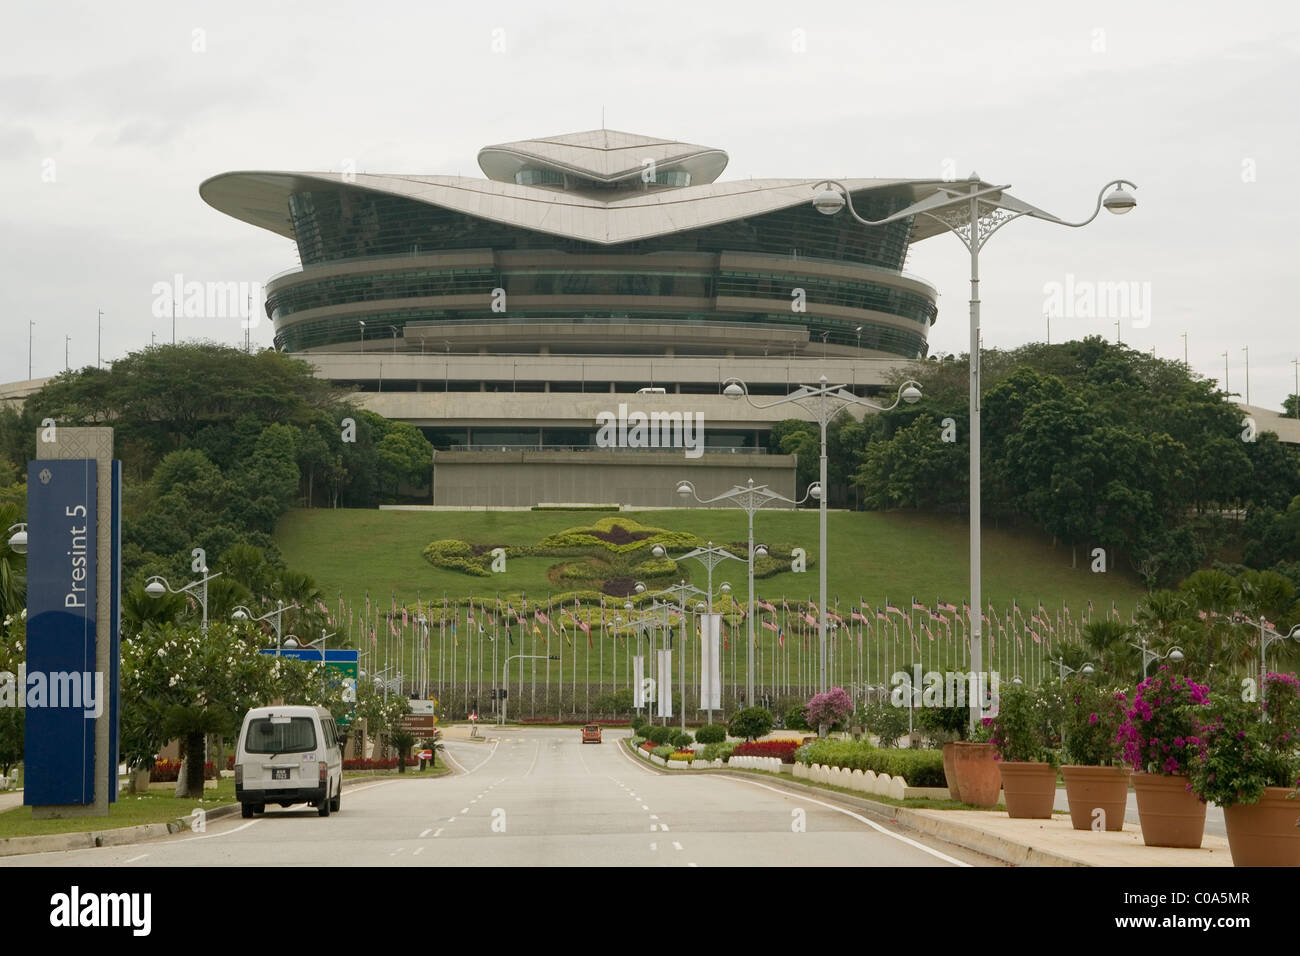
(641, 478)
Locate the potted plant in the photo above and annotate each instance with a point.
(1247, 763)
(950, 726)
(1096, 781)
(1025, 761)
(1160, 736)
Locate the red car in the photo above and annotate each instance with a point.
(591, 734)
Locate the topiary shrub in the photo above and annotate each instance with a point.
(681, 740)
(796, 718)
(750, 723)
(719, 751)
(711, 734)
(660, 735)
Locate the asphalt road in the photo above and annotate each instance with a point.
(540, 797)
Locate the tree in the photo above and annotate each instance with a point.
(827, 710)
(750, 723)
(178, 682)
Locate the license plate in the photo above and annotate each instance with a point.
(280, 773)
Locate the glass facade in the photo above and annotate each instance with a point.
(341, 224)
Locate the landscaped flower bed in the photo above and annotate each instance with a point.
(368, 763)
(687, 755)
(783, 749)
(167, 771)
(920, 768)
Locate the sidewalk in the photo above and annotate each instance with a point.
(1055, 842)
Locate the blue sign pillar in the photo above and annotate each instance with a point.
(70, 681)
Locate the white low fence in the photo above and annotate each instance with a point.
(864, 781)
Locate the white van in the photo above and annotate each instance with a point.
(288, 754)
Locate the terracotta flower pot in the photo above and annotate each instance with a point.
(1170, 814)
(950, 770)
(1028, 788)
(1093, 788)
(976, 773)
(1264, 833)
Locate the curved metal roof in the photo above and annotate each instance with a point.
(601, 156)
(261, 198)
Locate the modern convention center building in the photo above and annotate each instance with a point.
(589, 278)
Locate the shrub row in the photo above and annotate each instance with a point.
(768, 748)
(920, 768)
(168, 771)
(711, 734)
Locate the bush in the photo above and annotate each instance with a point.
(718, 751)
(796, 718)
(886, 721)
(832, 708)
(167, 771)
(768, 748)
(920, 768)
(660, 735)
(711, 734)
(681, 740)
(663, 751)
(1092, 718)
(750, 723)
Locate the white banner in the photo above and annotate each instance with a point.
(665, 687)
(710, 675)
(638, 676)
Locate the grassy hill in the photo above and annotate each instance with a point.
(874, 557)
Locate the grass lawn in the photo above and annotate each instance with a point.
(130, 810)
(875, 556)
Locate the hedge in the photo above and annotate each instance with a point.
(920, 768)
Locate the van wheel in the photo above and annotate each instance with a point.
(323, 808)
(245, 810)
(338, 799)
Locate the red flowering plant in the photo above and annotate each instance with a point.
(1161, 732)
(1247, 745)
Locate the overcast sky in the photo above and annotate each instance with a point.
(109, 120)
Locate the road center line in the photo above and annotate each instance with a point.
(426, 833)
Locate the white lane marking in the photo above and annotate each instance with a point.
(676, 845)
(464, 809)
(654, 827)
(437, 833)
(644, 807)
(451, 819)
(425, 833)
(536, 753)
(134, 858)
(664, 827)
(397, 851)
(223, 833)
(654, 816)
(692, 864)
(418, 851)
(478, 766)
(849, 813)
(635, 762)
(654, 846)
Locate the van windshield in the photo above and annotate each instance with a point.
(264, 737)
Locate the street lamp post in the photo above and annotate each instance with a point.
(682, 592)
(157, 586)
(973, 212)
(1087, 670)
(710, 557)
(750, 498)
(1174, 654)
(1268, 636)
(824, 401)
(275, 618)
